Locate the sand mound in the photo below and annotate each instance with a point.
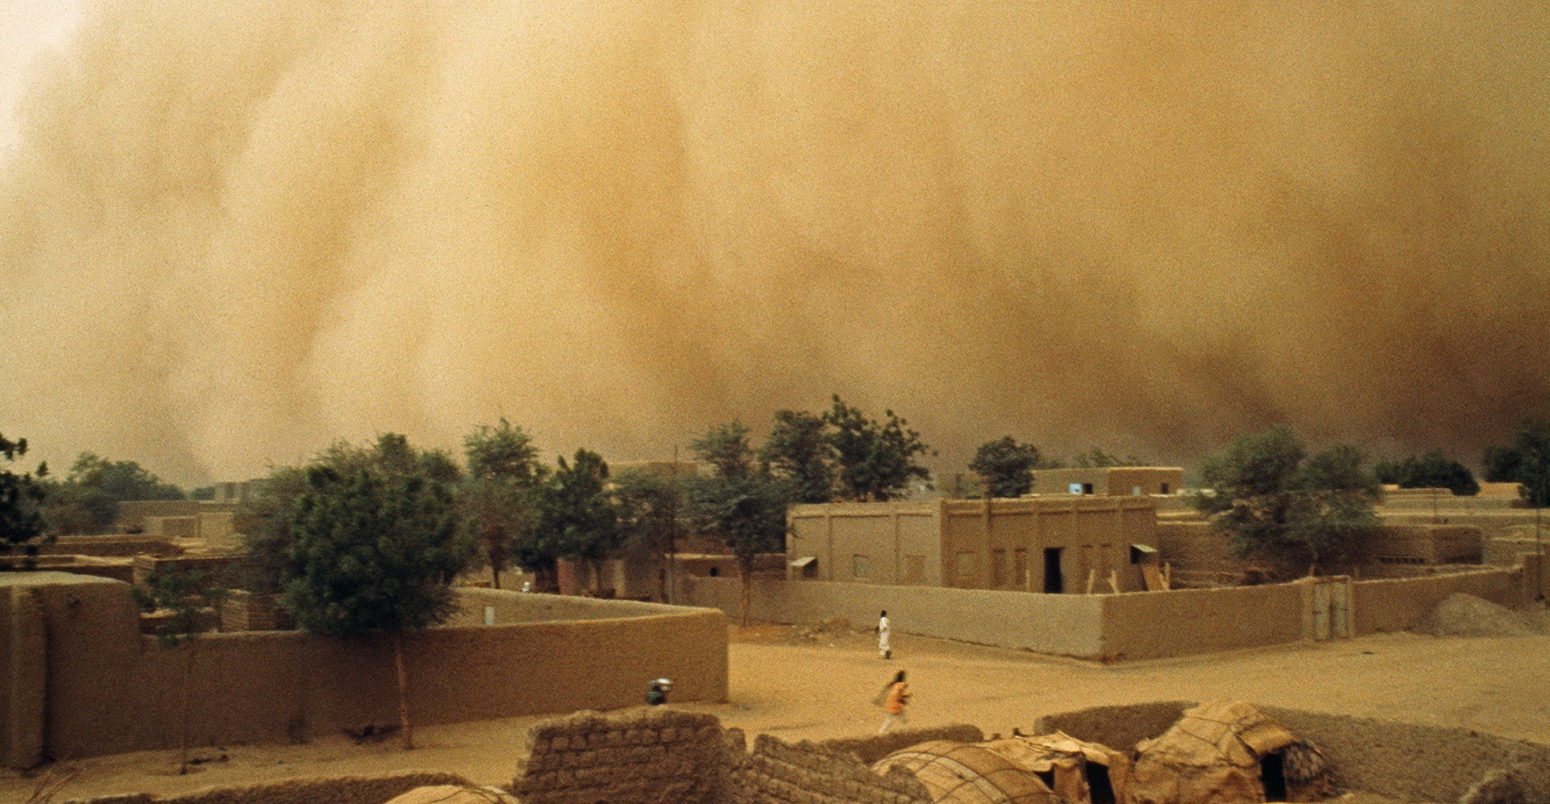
(1467, 615)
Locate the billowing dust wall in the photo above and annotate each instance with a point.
(233, 232)
(108, 689)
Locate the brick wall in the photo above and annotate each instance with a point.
(650, 754)
(810, 773)
(641, 755)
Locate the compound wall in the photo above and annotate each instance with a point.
(1117, 627)
(92, 684)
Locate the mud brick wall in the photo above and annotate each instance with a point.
(654, 754)
(808, 773)
(340, 790)
(871, 749)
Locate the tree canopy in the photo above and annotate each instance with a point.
(373, 550)
(1005, 466)
(1526, 461)
(576, 513)
(649, 504)
(799, 453)
(21, 494)
(876, 459)
(500, 495)
(739, 501)
(1432, 470)
(87, 500)
(1274, 502)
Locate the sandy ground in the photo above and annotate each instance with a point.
(796, 685)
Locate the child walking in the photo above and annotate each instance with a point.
(894, 701)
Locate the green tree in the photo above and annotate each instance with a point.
(799, 453)
(186, 596)
(1005, 466)
(739, 501)
(876, 459)
(499, 497)
(1432, 470)
(21, 495)
(87, 500)
(266, 519)
(576, 514)
(1272, 503)
(649, 505)
(1526, 462)
(373, 553)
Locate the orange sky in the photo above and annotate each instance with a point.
(230, 233)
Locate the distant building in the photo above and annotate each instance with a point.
(1110, 481)
(1034, 544)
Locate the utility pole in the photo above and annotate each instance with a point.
(672, 530)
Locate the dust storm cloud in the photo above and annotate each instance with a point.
(234, 232)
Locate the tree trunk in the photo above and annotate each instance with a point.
(188, 681)
(745, 565)
(403, 691)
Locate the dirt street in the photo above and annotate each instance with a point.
(798, 685)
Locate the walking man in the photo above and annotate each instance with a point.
(883, 650)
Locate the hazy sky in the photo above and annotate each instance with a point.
(28, 28)
(232, 232)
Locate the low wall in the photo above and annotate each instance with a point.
(1150, 625)
(109, 690)
(1064, 625)
(1113, 627)
(336, 790)
(113, 546)
(1138, 625)
(1399, 604)
(644, 755)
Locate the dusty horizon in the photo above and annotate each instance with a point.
(232, 234)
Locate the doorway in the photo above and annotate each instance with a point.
(1053, 584)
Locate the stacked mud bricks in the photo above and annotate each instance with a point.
(659, 754)
(644, 755)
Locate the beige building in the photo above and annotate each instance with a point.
(1052, 544)
(1110, 481)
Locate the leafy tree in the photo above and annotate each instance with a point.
(1273, 503)
(649, 505)
(21, 523)
(739, 500)
(576, 514)
(266, 520)
(500, 495)
(1526, 462)
(185, 595)
(1501, 464)
(876, 459)
(374, 553)
(799, 453)
(1432, 470)
(87, 501)
(1005, 466)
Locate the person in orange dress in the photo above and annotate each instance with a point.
(894, 702)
